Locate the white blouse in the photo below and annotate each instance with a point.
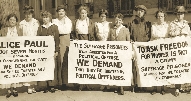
(118, 29)
(177, 28)
(29, 28)
(82, 26)
(102, 30)
(159, 30)
(63, 28)
(12, 33)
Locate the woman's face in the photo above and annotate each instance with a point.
(140, 13)
(61, 13)
(46, 20)
(160, 17)
(83, 14)
(103, 17)
(28, 16)
(118, 21)
(180, 16)
(12, 22)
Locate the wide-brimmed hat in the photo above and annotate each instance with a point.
(140, 7)
(180, 9)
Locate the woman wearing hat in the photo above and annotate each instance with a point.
(29, 27)
(65, 27)
(159, 29)
(11, 31)
(140, 30)
(50, 29)
(179, 27)
(84, 30)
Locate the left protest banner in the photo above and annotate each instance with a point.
(100, 62)
(25, 59)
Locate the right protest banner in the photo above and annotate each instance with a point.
(163, 62)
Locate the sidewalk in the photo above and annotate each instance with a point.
(96, 96)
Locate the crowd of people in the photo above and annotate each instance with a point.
(83, 28)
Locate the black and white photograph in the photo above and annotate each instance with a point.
(95, 50)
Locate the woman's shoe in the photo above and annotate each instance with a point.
(15, 93)
(45, 91)
(29, 91)
(153, 92)
(33, 90)
(163, 92)
(52, 90)
(8, 94)
(177, 92)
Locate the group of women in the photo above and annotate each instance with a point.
(62, 28)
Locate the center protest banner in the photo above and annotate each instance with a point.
(163, 62)
(25, 59)
(100, 62)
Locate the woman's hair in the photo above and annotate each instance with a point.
(119, 15)
(46, 14)
(103, 12)
(28, 9)
(61, 7)
(160, 11)
(12, 15)
(83, 7)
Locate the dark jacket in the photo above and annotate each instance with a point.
(140, 30)
(50, 31)
(90, 31)
(123, 35)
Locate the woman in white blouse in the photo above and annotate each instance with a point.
(179, 27)
(29, 27)
(84, 27)
(102, 28)
(64, 27)
(11, 31)
(159, 29)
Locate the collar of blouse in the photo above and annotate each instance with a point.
(180, 25)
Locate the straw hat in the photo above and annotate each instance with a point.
(180, 9)
(140, 7)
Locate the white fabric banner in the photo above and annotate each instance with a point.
(25, 59)
(100, 62)
(163, 62)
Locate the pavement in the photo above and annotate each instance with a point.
(96, 95)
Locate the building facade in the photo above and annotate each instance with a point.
(113, 6)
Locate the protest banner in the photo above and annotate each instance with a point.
(100, 62)
(25, 59)
(163, 62)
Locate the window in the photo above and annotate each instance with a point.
(123, 4)
(53, 3)
(26, 2)
(41, 4)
